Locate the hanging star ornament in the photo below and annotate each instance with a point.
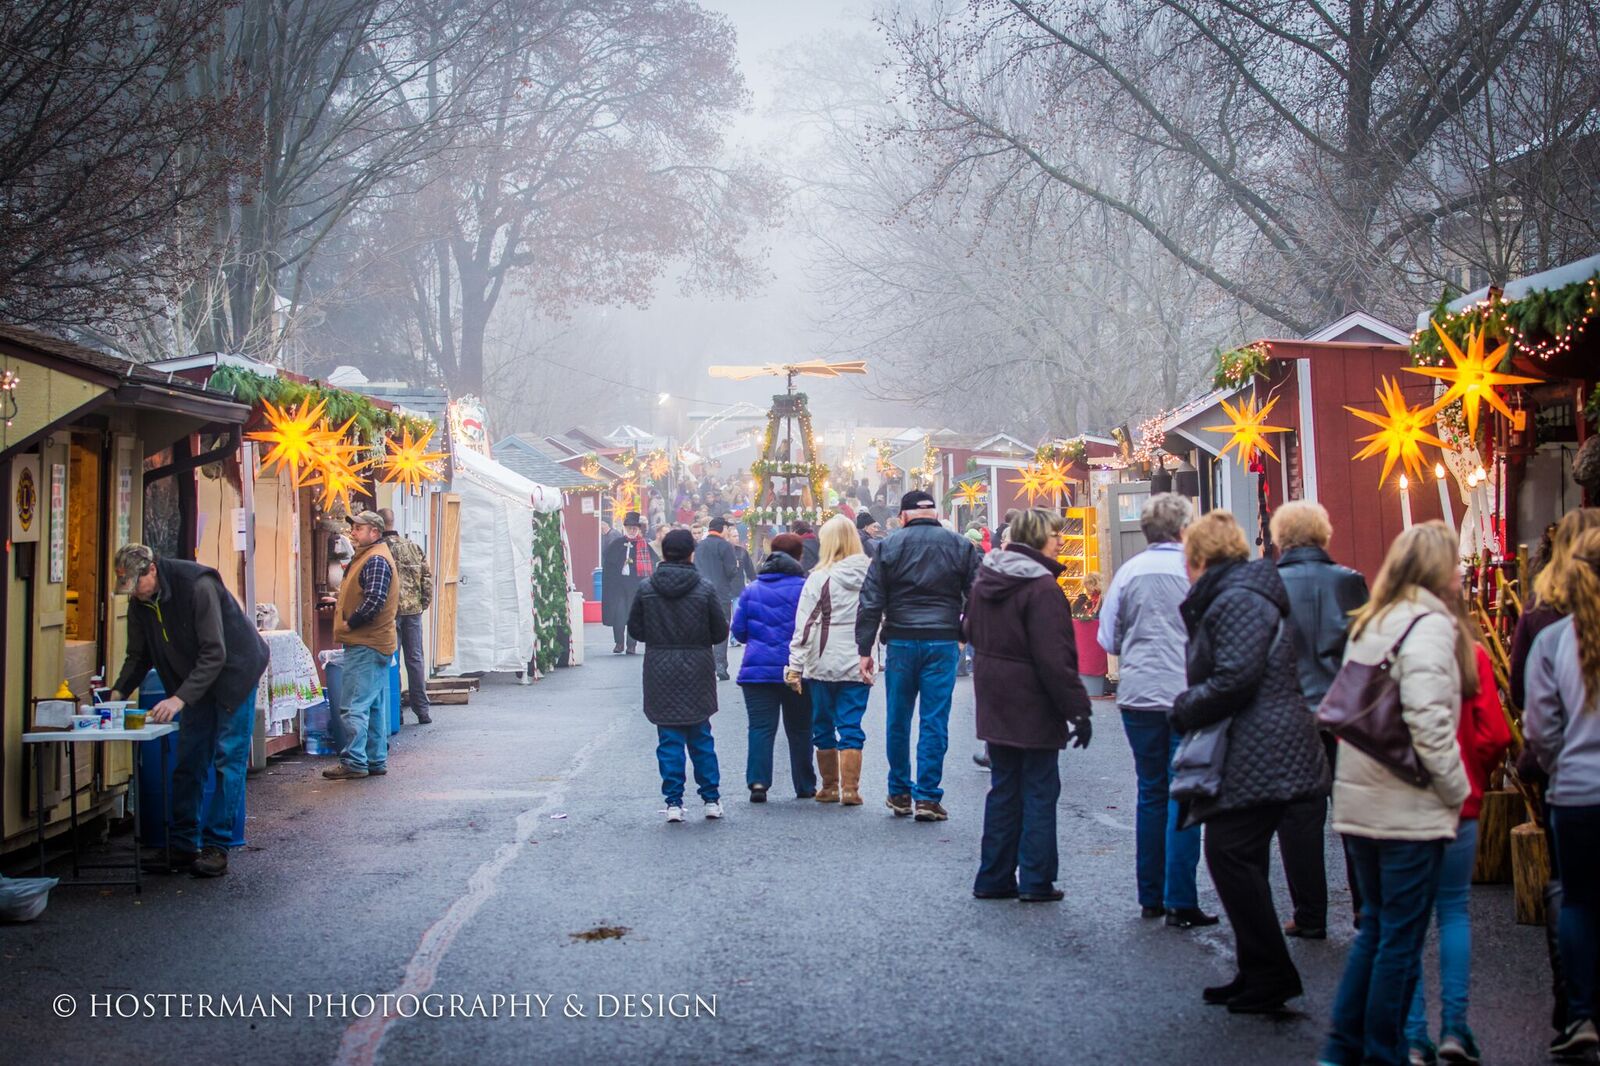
(295, 436)
(1402, 431)
(1248, 428)
(1030, 482)
(1473, 377)
(972, 493)
(409, 462)
(1053, 477)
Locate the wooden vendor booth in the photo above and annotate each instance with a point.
(92, 453)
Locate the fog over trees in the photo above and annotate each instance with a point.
(1039, 216)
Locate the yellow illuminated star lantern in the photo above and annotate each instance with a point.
(296, 435)
(1053, 477)
(1402, 431)
(972, 493)
(627, 495)
(335, 471)
(1031, 481)
(1248, 429)
(659, 465)
(1473, 377)
(409, 462)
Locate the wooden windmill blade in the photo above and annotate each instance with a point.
(812, 368)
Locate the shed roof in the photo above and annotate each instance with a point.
(533, 462)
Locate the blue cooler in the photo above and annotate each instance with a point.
(335, 690)
(155, 790)
(394, 693)
(599, 583)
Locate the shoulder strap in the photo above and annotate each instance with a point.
(1394, 652)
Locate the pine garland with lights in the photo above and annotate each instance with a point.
(549, 578)
(1558, 316)
(1236, 366)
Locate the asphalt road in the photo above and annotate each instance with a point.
(809, 933)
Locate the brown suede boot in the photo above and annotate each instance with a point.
(828, 766)
(850, 777)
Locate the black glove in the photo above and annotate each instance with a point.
(1082, 730)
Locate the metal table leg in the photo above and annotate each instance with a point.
(38, 807)
(138, 835)
(166, 802)
(72, 802)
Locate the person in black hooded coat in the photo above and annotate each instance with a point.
(679, 618)
(1242, 667)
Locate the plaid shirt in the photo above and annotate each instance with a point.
(375, 577)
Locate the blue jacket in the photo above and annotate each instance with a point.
(763, 619)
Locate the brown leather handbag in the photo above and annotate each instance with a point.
(1362, 708)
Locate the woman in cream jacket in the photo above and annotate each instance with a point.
(823, 652)
(1396, 832)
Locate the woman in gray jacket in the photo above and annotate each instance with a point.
(1562, 726)
(1395, 832)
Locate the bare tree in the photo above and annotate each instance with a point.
(105, 157)
(1300, 120)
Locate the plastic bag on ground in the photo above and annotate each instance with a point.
(22, 899)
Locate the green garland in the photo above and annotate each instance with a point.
(1238, 365)
(1555, 314)
(372, 423)
(1062, 451)
(549, 589)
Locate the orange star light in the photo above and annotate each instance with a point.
(409, 462)
(1031, 482)
(1473, 377)
(1053, 477)
(295, 436)
(972, 493)
(1248, 428)
(1402, 431)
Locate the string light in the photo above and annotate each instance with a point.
(1544, 350)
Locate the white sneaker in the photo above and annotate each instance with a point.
(713, 809)
(674, 814)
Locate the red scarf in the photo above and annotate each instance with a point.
(643, 563)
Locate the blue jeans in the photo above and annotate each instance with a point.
(1399, 880)
(1455, 941)
(670, 744)
(1577, 844)
(925, 668)
(1019, 820)
(1166, 857)
(836, 711)
(210, 737)
(766, 703)
(366, 723)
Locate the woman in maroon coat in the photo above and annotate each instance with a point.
(1030, 703)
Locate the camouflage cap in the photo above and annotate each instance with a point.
(132, 561)
(370, 518)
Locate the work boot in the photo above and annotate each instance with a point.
(423, 717)
(213, 862)
(929, 811)
(828, 767)
(850, 777)
(342, 773)
(156, 862)
(900, 804)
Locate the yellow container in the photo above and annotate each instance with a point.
(133, 719)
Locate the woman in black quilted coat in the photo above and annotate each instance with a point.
(1242, 668)
(678, 617)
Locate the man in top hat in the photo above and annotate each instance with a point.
(364, 625)
(623, 565)
(185, 624)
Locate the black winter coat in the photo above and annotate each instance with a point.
(1025, 670)
(1239, 669)
(916, 586)
(164, 634)
(718, 563)
(617, 591)
(1321, 596)
(678, 617)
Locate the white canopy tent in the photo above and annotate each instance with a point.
(494, 612)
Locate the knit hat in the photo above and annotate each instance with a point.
(864, 519)
(917, 500)
(677, 546)
(789, 544)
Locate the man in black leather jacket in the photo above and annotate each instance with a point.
(917, 589)
(1322, 595)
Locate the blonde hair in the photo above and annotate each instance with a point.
(1214, 537)
(836, 540)
(1583, 604)
(1426, 556)
(1301, 524)
(1033, 527)
(1554, 583)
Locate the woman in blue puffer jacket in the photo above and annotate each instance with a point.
(763, 621)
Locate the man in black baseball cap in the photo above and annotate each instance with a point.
(916, 589)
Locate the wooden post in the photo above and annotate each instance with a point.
(1530, 868)
(1500, 812)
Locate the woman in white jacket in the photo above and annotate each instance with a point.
(823, 652)
(1396, 832)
